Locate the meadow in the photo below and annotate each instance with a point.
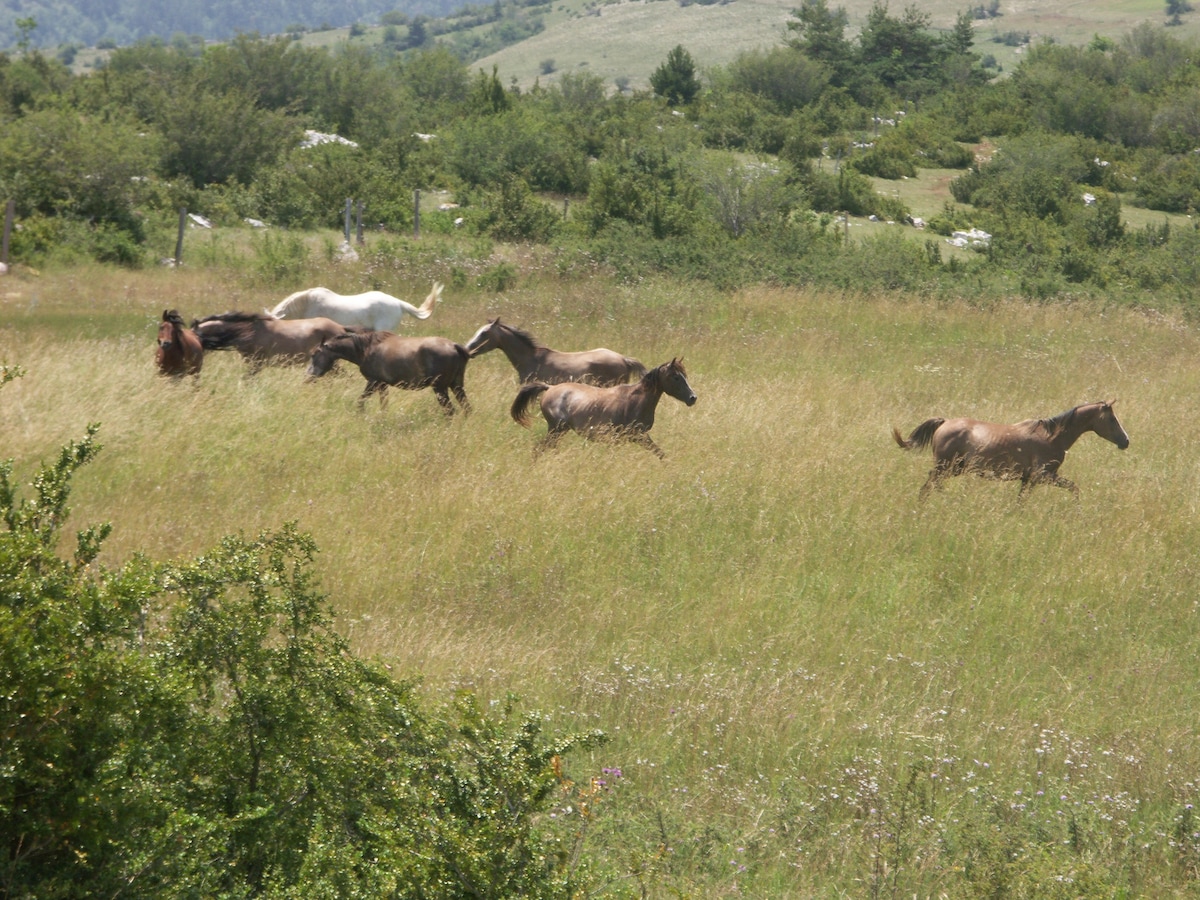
(813, 685)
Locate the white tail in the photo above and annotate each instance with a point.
(425, 310)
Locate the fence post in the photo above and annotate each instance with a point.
(10, 212)
(360, 225)
(346, 230)
(416, 214)
(179, 238)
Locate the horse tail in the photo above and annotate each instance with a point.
(285, 306)
(464, 357)
(525, 398)
(425, 310)
(921, 435)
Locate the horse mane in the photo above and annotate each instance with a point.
(1055, 424)
(284, 306)
(173, 316)
(231, 328)
(653, 376)
(522, 335)
(232, 317)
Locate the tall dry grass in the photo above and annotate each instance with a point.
(815, 685)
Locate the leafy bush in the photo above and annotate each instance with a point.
(513, 213)
(200, 729)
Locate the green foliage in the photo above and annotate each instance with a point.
(199, 728)
(513, 213)
(744, 197)
(675, 80)
(487, 150)
(788, 79)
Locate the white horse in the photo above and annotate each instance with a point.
(374, 309)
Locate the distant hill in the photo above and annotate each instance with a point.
(629, 39)
(621, 41)
(124, 22)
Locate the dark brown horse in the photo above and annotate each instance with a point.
(179, 350)
(261, 338)
(405, 362)
(1031, 450)
(623, 412)
(535, 362)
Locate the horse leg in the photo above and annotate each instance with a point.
(371, 388)
(443, 399)
(937, 475)
(644, 440)
(550, 441)
(461, 396)
(1058, 481)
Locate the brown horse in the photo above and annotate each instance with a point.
(625, 411)
(261, 338)
(534, 362)
(1031, 450)
(405, 362)
(179, 350)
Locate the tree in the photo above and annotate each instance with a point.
(676, 78)
(821, 36)
(1175, 11)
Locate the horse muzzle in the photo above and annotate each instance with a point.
(691, 401)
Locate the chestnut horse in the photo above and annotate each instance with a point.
(261, 338)
(534, 362)
(405, 362)
(623, 412)
(179, 350)
(1031, 450)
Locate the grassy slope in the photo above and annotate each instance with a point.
(774, 631)
(631, 39)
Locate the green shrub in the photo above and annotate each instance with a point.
(199, 728)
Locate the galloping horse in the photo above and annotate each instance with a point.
(1031, 450)
(623, 412)
(261, 338)
(374, 309)
(534, 362)
(405, 362)
(179, 349)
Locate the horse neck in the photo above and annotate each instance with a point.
(1070, 426)
(349, 347)
(515, 347)
(650, 386)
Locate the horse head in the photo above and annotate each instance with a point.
(672, 378)
(320, 361)
(483, 341)
(169, 327)
(1108, 427)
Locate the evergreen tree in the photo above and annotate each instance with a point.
(676, 78)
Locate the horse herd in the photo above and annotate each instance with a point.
(596, 393)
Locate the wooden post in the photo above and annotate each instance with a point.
(360, 225)
(346, 231)
(10, 213)
(566, 207)
(416, 214)
(179, 239)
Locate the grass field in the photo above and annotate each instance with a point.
(631, 39)
(815, 686)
